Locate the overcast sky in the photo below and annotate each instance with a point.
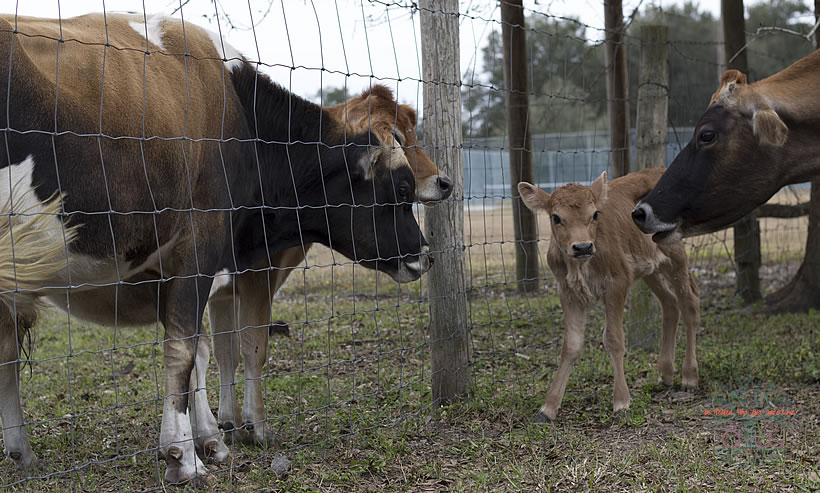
(363, 37)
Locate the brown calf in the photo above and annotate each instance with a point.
(596, 253)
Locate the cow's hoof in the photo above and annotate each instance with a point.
(541, 418)
(258, 436)
(216, 452)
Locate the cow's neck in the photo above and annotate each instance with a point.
(300, 162)
(792, 94)
(288, 128)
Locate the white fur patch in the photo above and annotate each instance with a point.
(153, 29)
(18, 179)
(222, 279)
(233, 57)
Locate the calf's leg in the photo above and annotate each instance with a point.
(573, 345)
(16, 441)
(689, 301)
(669, 306)
(615, 301)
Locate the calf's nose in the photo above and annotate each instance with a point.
(584, 248)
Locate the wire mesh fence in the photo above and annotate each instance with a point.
(318, 349)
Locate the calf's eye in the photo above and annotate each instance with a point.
(556, 219)
(595, 216)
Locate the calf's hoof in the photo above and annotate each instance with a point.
(24, 462)
(544, 416)
(689, 384)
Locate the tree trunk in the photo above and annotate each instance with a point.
(444, 224)
(516, 82)
(803, 291)
(650, 150)
(747, 230)
(617, 87)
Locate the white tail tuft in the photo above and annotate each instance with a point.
(32, 250)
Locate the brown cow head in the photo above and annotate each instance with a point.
(395, 125)
(574, 211)
(734, 162)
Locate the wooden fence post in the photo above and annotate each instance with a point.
(747, 230)
(650, 151)
(516, 83)
(444, 224)
(617, 87)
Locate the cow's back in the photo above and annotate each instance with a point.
(118, 124)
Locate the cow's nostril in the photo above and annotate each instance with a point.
(639, 215)
(445, 184)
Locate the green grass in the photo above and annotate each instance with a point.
(348, 395)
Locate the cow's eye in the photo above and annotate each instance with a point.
(707, 136)
(595, 216)
(556, 219)
(404, 192)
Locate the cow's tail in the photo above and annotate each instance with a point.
(33, 249)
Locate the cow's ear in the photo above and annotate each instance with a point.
(769, 128)
(598, 188)
(411, 114)
(533, 197)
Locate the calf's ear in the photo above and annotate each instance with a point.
(598, 188)
(769, 128)
(533, 197)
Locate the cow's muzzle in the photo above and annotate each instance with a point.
(412, 267)
(646, 220)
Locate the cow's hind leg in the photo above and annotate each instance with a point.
(574, 319)
(15, 439)
(207, 437)
(669, 306)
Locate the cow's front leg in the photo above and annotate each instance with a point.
(223, 312)
(207, 437)
(184, 306)
(256, 290)
(15, 439)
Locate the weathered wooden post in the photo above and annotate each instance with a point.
(747, 230)
(650, 151)
(516, 84)
(617, 87)
(444, 224)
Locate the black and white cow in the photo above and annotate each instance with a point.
(174, 160)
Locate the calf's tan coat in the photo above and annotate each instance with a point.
(597, 253)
